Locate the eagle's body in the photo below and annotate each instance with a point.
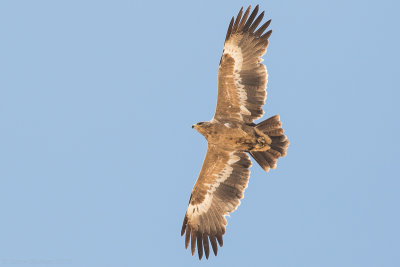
(232, 134)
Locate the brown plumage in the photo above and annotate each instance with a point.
(232, 135)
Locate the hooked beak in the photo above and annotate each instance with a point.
(193, 126)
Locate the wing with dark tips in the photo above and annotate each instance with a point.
(217, 192)
(242, 78)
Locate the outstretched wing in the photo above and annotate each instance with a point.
(217, 192)
(242, 78)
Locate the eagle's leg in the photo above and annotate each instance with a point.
(262, 142)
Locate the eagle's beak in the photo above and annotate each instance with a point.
(193, 126)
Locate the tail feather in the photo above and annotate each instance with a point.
(271, 127)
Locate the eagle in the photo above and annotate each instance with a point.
(232, 135)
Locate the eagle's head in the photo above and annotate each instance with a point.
(202, 127)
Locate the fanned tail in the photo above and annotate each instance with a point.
(273, 128)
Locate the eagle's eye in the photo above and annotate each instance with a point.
(200, 123)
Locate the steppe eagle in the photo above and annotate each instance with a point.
(232, 135)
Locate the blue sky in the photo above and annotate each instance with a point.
(98, 158)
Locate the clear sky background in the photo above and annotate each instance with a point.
(98, 157)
